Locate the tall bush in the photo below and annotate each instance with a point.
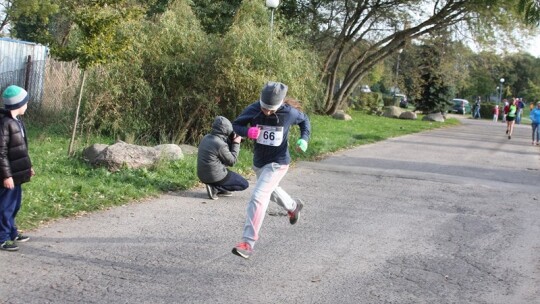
(178, 78)
(250, 56)
(157, 95)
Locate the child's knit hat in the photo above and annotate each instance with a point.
(14, 97)
(272, 95)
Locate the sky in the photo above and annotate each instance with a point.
(534, 47)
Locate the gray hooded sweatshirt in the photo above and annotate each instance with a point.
(217, 152)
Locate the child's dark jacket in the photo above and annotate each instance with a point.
(14, 159)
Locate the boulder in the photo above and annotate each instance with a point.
(438, 117)
(169, 152)
(122, 154)
(392, 112)
(187, 149)
(408, 115)
(341, 115)
(90, 153)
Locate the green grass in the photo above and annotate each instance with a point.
(65, 186)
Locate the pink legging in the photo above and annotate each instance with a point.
(266, 189)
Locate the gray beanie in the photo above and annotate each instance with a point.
(272, 95)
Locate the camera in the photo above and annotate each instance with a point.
(233, 135)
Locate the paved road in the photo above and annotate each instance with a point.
(445, 216)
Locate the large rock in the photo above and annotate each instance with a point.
(121, 154)
(90, 153)
(392, 112)
(438, 117)
(341, 115)
(169, 151)
(408, 115)
(187, 149)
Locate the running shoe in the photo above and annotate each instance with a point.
(294, 215)
(243, 250)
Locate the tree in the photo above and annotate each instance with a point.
(379, 28)
(27, 19)
(530, 10)
(216, 16)
(532, 93)
(435, 93)
(92, 37)
(4, 14)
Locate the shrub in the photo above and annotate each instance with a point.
(249, 57)
(177, 78)
(388, 101)
(367, 102)
(158, 93)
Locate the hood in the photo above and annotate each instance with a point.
(222, 126)
(4, 112)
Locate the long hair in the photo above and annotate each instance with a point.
(293, 103)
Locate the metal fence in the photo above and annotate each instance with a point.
(23, 64)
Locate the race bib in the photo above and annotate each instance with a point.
(270, 136)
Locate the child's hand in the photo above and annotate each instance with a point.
(8, 183)
(32, 172)
(301, 145)
(253, 132)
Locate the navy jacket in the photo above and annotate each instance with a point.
(285, 117)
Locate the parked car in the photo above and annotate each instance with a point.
(461, 106)
(403, 103)
(365, 89)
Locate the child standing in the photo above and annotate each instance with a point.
(267, 121)
(15, 165)
(495, 113)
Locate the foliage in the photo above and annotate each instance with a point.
(30, 19)
(532, 93)
(530, 10)
(155, 7)
(249, 57)
(93, 37)
(216, 16)
(367, 102)
(175, 70)
(349, 26)
(436, 95)
(153, 96)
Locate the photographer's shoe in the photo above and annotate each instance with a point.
(224, 193)
(212, 192)
(9, 246)
(20, 238)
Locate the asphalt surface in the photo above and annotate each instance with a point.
(445, 216)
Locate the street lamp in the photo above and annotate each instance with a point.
(500, 90)
(272, 4)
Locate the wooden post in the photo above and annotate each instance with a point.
(27, 72)
(70, 150)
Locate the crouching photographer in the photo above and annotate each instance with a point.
(217, 151)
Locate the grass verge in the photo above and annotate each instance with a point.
(65, 186)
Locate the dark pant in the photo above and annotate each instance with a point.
(10, 203)
(232, 182)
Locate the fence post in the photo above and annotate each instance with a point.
(27, 72)
(72, 141)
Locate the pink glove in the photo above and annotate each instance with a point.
(253, 132)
